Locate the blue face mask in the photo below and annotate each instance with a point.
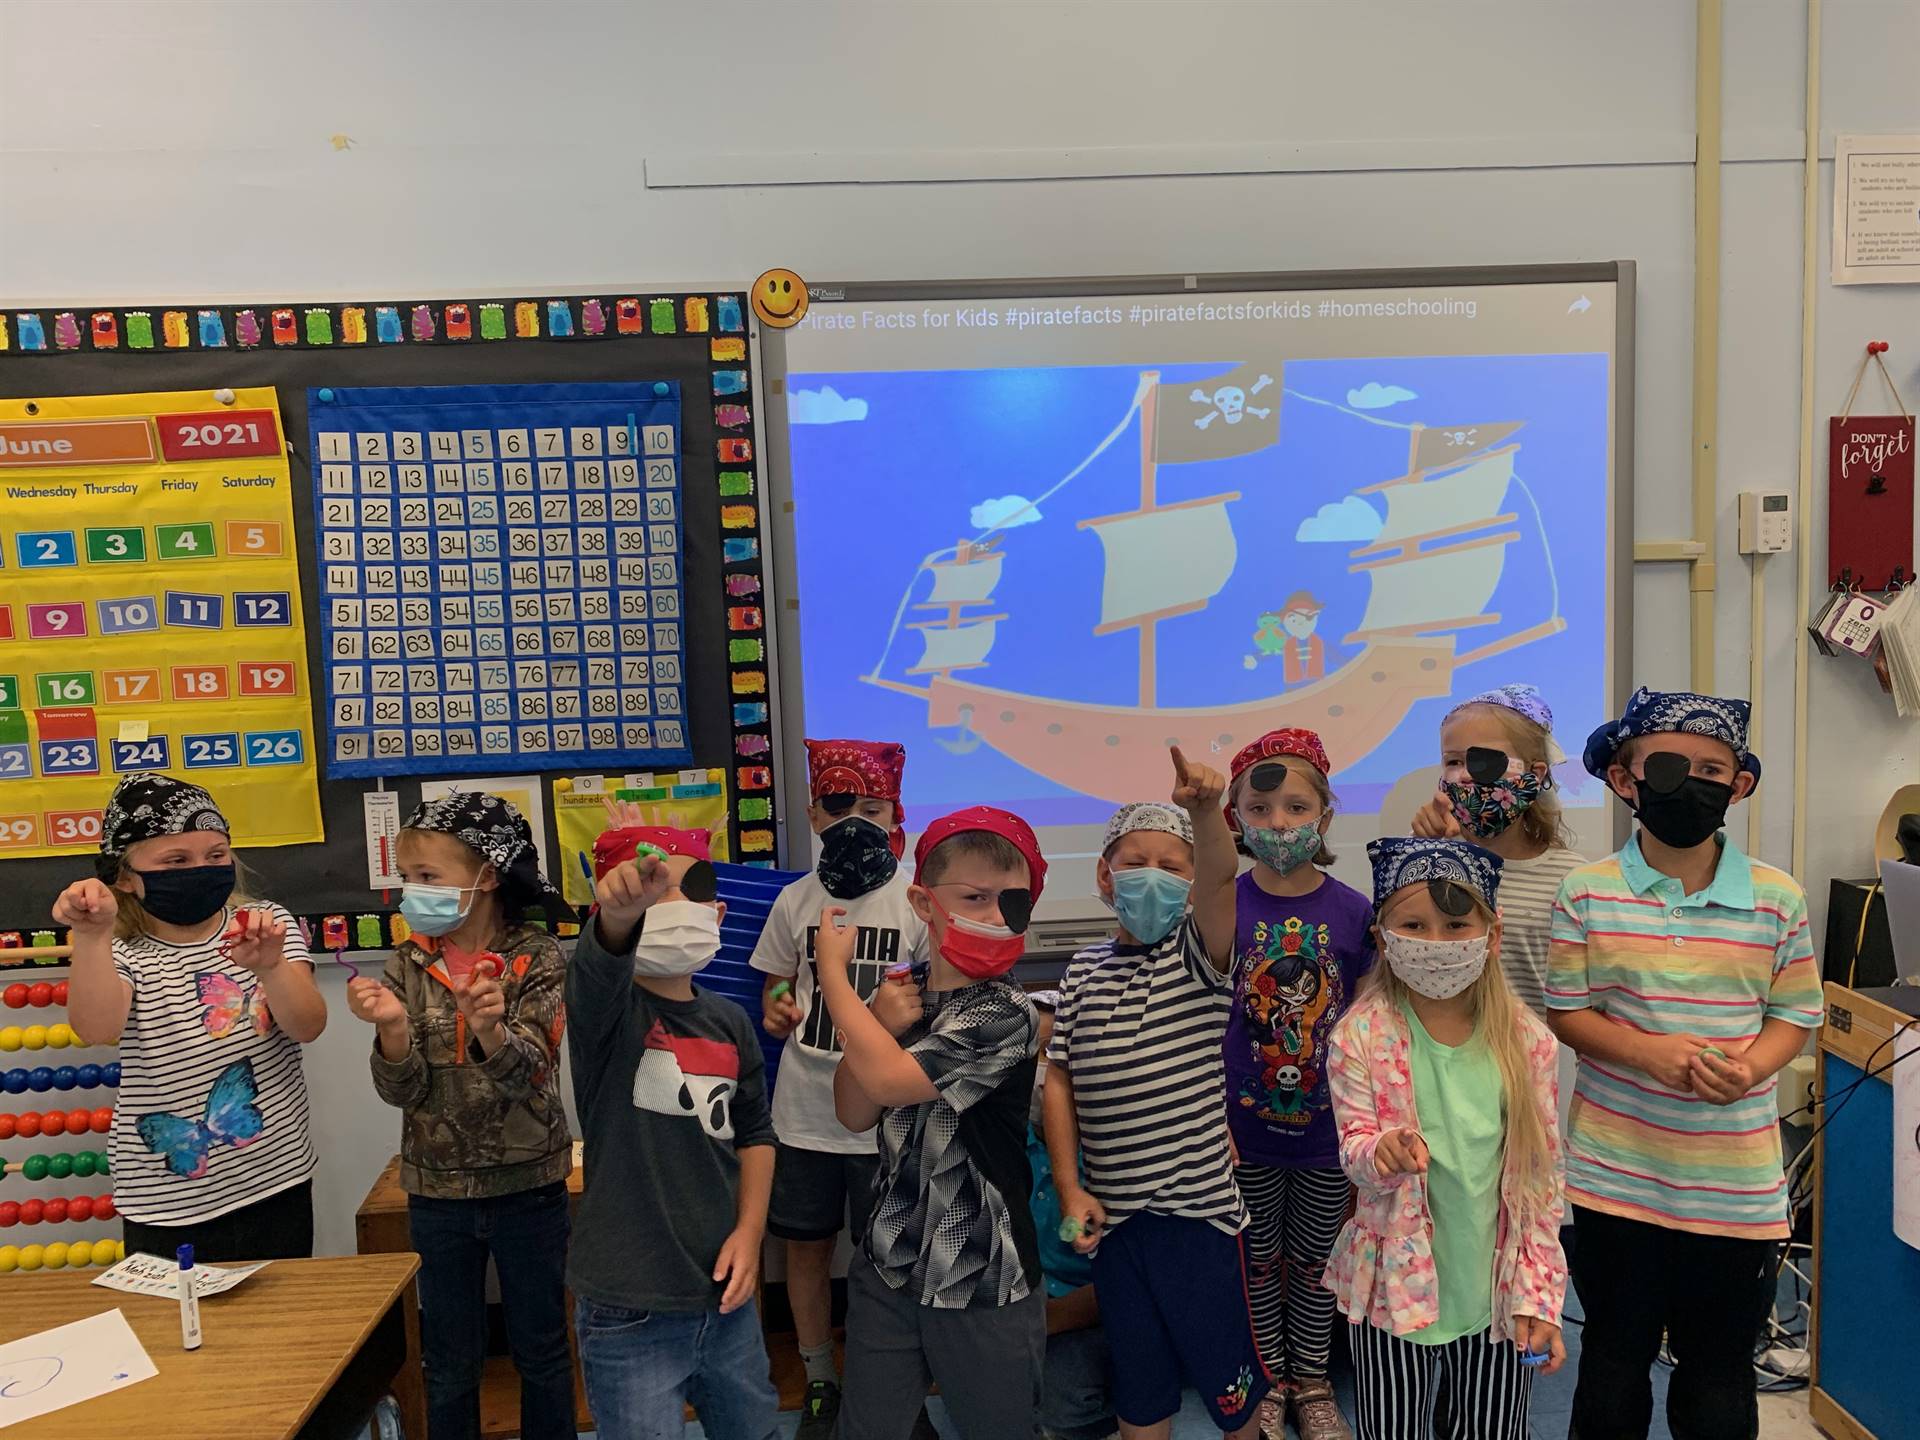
(434, 909)
(1149, 902)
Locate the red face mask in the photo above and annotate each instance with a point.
(980, 952)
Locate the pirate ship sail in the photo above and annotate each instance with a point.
(1432, 570)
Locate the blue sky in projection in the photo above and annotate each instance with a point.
(889, 467)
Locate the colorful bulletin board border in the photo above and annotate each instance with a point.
(575, 319)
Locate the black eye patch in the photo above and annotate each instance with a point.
(1486, 766)
(1016, 910)
(837, 804)
(1267, 776)
(700, 883)
(1453, 898)
(1666, 771)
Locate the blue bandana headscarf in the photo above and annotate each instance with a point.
(1402, 860)
(1679, 712)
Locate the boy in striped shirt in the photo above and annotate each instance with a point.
(1135, 1085)
(1682, 973)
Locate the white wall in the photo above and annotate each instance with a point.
(173, 150)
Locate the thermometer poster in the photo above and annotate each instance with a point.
(150, 614)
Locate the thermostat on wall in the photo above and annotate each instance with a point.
(1766, 522)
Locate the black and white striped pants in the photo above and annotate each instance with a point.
(1473, 1388)
(1296, 1217)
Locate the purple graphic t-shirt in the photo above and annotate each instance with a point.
(1296, 961)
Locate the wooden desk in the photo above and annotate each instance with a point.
(381, 1225)
(304, 1348)
(1866, 1281)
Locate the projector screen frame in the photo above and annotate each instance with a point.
(795, 840)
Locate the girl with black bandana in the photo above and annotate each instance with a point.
(468, 1020)
(210, 997)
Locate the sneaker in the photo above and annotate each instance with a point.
(923, 1427)
(818, 1411)
(1315, 1415)
(1273, 1418)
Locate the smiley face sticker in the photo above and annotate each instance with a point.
(779, 299)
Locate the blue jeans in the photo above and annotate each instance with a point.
(526, 1235)
(643, 1366)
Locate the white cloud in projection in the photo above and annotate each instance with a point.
(1349, 521)
(1375, 396)
(1003, 512)
(825, 406)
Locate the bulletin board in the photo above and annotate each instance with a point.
(683, 358)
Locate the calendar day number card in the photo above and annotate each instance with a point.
(150, 614)
(500, 577)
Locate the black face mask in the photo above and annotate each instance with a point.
(186, 897)
(855, 857)
(1689, 814)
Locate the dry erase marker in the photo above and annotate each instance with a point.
(189, 1301)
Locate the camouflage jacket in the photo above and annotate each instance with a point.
(476, 1125)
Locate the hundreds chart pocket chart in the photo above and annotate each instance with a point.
(150, 614)
(500, 577)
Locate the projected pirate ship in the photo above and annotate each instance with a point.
(1432, 569)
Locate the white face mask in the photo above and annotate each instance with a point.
(1437, 969)
(677, 937)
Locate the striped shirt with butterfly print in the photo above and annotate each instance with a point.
(212, 1110)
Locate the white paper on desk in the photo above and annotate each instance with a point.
(68, 1364)
(1906, 1136)
(150, 1275)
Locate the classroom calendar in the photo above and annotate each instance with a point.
(150, 614)
(500, 577)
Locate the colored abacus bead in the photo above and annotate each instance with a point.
(65, 1078)
(57, 1211)
(104, 1209)
(8, 1126)
(61, 1036)
(80, 1121)
(110, 1073)
(28, 1124)
(34, 1037)
(10, 1038)
(40, 993)
(87, 1075)
(40, 1078)
(103, 1120)
(14, 1082)
(80, 1207)
(9, 1214)
(9, 1259)
(32, 1212)
(35, 1166)
(31, 1256)
(80, 1254)
(59, 992)
(89, 1162)
(53, 1122)
(60, 1165)
(14, 995)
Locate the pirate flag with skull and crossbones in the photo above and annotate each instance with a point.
(1217, 416)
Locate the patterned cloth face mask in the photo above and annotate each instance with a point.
(1489, 791)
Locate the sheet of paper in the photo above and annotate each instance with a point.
(68, 1364)
(1876, 209)
(150, 1275)
(523, 792)
(1906, 1137)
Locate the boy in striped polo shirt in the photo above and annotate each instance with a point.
(1682, 973)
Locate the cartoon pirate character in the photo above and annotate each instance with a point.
(1288, 996)
(1303, 653)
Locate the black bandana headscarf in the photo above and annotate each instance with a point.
(145, 806)
(489, 826)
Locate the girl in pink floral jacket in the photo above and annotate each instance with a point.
(1444, 1090)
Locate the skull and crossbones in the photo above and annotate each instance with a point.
(1229, 403)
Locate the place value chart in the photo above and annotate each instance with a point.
(150, 614)
(500, 577)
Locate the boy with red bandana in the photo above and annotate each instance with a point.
(947, 1286)
(823, 1172)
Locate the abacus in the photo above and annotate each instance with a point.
(53, 1119)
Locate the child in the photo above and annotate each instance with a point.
(1076, 1393)
(1450, 1271)
(1682, 973)
(823, 1172)
(209, 1145)
(679, 1154)
(1302, 940)
(469, 1017)
(947, 1285)
(1496, 789)
(1135, 1083)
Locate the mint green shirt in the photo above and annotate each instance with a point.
(1462, 1108)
